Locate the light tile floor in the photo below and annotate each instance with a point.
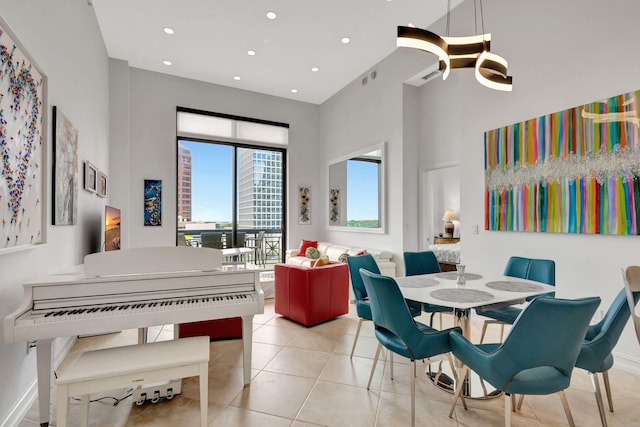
(304, 377)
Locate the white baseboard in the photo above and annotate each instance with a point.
(22, 406)
(626, 363)
(24, 403)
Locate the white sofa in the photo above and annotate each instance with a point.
(383, 258)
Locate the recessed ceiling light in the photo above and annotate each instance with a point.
(345, 40)
(315, 69)
(168, 30)
(272, 15)
(167, 62)
(237, 78)
(251, 52)
(294, 90)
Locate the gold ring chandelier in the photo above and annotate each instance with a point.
(461, 52)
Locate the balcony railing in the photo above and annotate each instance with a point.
(268, 251)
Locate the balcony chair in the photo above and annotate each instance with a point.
(211, 240)
(416, 263)
(539, 270)
(240, 239)
(363, 309)
(396, 329)
(538, 355)
(631, 278)
(257, 243)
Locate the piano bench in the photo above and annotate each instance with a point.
(131, 366)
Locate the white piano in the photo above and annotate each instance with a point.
(133, 288)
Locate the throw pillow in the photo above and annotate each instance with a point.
(362, 252)
(312, 253)
(323, 260)
(304, 244)
(343, 257)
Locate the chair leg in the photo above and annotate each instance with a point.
(458, 394)
(494, 322)
(355, 340)
(596, 389)
(508, 398)
(513, 403)
(484, 330)
(520, 401)
(373, 367)
(567, 410)
(455, 377)
(413, 392)
(607, 389)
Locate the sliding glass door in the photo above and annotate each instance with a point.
(232, 195)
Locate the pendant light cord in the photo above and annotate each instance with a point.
(482, 17)
(475, 14)
(448, 17)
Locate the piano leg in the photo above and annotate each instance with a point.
(247, 337)
(143, 335)
(43, 355)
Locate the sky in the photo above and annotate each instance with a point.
(211, 178)
(362, 190)
(211, 181)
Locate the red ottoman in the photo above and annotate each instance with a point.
(215, 329)
(311, 295)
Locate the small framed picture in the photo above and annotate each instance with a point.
(90, 177)
(103, 184)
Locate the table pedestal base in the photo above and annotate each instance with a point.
(440, 374)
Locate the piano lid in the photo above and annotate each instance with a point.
(152, 260)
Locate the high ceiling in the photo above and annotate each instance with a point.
(212, 38)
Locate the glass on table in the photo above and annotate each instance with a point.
(460, 269)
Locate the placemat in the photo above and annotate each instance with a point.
(453, 275)
(416, 282)
(514, 286)
(461, 295)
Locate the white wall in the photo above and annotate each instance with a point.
(64, 40)
(148, 144)
(561, 54)
(358, 117)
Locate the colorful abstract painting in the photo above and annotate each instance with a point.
(575, 171)
(152, 202)
(22, 145)
(65, 170)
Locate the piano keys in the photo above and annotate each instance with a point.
(133, 288)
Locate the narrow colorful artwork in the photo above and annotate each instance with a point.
(65, 170)
(334, 206)
(574, 171)
(152, 202)
(22, 145)
(304, 205)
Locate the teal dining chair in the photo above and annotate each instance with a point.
(396, 330)
(538, 270)
(631, 277)
(538, 355)
(363, 309)
(595, 355)
(425, 262)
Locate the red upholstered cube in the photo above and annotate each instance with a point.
(311, 295)
(215, 329)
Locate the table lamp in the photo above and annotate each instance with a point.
(449, 216)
